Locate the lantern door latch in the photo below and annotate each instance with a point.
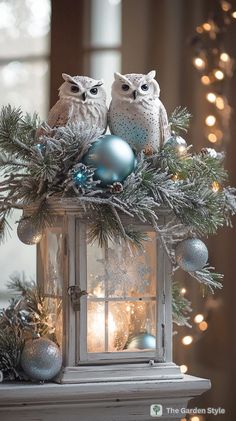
(75, 294)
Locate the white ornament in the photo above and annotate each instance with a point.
(136, 113)
(82, 100)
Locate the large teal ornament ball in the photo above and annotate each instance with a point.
(142, 341)
(112, 158)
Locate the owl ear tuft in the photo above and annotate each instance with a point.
(67, 77)
(151, 75)
(121, 78)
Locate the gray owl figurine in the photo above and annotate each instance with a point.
(136, 113)
(81, 100)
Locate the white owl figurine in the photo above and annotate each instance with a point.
(136, 113)
(81, 100)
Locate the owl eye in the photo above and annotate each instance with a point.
(144, 87)
(74, 88)
(125, 87)
(94, 91)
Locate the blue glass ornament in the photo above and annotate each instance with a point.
(112, 158)
(80, 178)
(142, 341)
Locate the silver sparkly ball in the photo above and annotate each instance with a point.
(178, 143)
(28, 233)
(191, 254)
(142, 341)
(41, 359)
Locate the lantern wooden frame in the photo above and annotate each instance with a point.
(80, 367)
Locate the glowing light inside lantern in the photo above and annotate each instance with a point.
(199, 318)
(219, 75)
(183, 369)
(234, 14)
(187, 340)
(224, 57)
(183, 291)
(203, 326)
(210, 120)
(211, 97)
(195, 418)
(199, 63)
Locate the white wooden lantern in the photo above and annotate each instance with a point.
(111, 307)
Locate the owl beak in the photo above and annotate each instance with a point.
(135, 94)
(84, 96)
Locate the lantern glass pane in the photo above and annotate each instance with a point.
(50, 278)
(122, 297)
(96, 327)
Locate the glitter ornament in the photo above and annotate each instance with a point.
(28, 233)
(191, 254)
(41, 359)
(112, 158)
(178, 143)
(142, 341)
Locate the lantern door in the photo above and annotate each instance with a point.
(122, 317)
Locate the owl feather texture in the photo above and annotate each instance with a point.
(82, 100)
(136, 113)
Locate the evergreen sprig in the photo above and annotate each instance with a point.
(38, 164)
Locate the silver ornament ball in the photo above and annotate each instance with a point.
(191, 254)
(178, 143)
(142, 341)
(41, 359)
(28, 233)
(112, 158)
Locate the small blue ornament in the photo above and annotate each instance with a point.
(41, 147)
(82, 175)
(112, 158)
(142, 341)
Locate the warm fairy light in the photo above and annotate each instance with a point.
(219, 134)
(207, 26)
(195, 418)
(210, 120)
(183, 291)
(187, 340)
(215, 186)
(128, 308)
(226, 6)
(220, 104)
(199, 63)
(183, 369)
(203, 326)
(211, 97)
(219, 74)
(199, 318)
(205, 80)
(234, 14)
(199, 29)
(224, 57)
(175, 177)
(212, 137)
(182, 149)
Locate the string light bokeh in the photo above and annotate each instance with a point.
(216, 66)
